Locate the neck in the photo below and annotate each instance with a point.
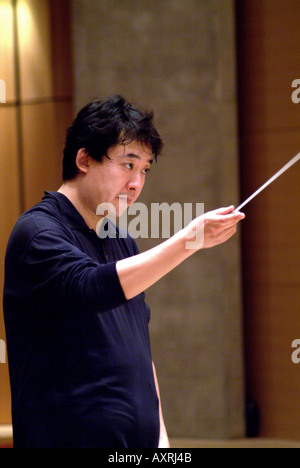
(72, 191)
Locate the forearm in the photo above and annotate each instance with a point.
(138, 273)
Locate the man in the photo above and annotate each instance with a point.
(76, 320)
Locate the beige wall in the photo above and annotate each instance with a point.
(36, 67)
(178, 58)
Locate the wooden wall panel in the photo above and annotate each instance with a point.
(34, 49)
(46, 92)
(269, 41)
(41, 163)
(62, 53)
(9, 212)
(44, 128)
(9, 176)
(7, 69)
(35, 62)
(268, 37)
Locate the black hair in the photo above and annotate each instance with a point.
(104, 123)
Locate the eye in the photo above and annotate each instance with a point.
(146, 171)
(129, 166)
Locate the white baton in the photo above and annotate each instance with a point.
(274, 177)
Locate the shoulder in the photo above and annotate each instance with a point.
(42, 217)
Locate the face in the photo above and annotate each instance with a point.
(119, 179)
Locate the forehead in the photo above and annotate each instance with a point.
(134, 150)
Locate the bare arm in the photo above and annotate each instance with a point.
(163, 435)
(138, 273)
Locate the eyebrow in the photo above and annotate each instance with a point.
(136, 156)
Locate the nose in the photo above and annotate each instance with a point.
(136, 183)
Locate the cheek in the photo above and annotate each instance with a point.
(142, 184)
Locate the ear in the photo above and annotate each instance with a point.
(83, 160)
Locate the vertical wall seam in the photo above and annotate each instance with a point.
(20, 146)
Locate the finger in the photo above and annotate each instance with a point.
(234, 216)
(225, 210)
(230, 211)
(238, 215)
(231, 219)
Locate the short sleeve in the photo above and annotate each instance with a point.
(61, 273)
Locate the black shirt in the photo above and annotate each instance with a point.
(79, 353)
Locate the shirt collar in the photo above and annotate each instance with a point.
(67, 210)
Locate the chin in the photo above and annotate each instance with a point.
(119, 213)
